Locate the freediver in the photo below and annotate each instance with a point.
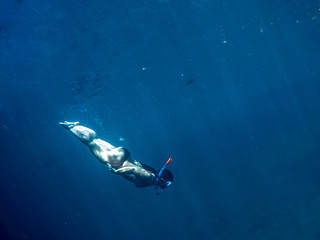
(118, 159)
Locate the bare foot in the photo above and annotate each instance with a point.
(68, 125)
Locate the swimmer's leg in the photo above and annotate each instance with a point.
(84, 134)
(102, 150)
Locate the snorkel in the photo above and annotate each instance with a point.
(168, 183)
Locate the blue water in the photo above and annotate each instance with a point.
(229, 89)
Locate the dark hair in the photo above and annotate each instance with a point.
(166, 177)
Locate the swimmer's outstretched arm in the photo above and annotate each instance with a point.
(132, 173)
(124, 170)
(136, 170)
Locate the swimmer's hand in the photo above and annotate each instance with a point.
(124, 170)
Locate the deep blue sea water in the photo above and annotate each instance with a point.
(229, 89)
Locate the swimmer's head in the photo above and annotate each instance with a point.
(166, 179)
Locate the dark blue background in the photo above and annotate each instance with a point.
(228, 89)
